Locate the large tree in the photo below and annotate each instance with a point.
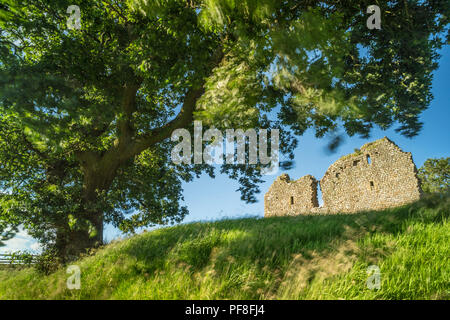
(86, 114)
(435, 175)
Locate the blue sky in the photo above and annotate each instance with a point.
(211, 199)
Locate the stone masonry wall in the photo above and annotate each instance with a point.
(378, 176)
(287, 197)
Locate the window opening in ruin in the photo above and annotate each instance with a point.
(369, 161)
(355, 162)
(319, 195)
(292, 200)
(337, 175)
(371, 185)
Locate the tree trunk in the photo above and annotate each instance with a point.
(70, 243)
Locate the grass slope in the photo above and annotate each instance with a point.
(305, 257)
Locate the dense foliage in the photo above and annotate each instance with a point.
(435, 175)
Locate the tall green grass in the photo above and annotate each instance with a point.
(304, 257)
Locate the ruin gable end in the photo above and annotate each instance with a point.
(377, 176)
(286, 197)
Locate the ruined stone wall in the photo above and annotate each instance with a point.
(378, 176)
(287, 197)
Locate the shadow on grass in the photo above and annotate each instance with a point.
(271, 243)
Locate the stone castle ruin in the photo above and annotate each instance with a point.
(378, 176)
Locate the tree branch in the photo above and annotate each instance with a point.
(125, 146)
(184, 117)
(125, 125)
(32, 148)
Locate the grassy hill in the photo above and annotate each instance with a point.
(305, 257)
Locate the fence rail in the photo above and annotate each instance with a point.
(11, 259)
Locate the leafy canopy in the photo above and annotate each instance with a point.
(86, 115)
(435, 175)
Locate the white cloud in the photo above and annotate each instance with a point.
(22, 241)
(16, 244)
(36, 246)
